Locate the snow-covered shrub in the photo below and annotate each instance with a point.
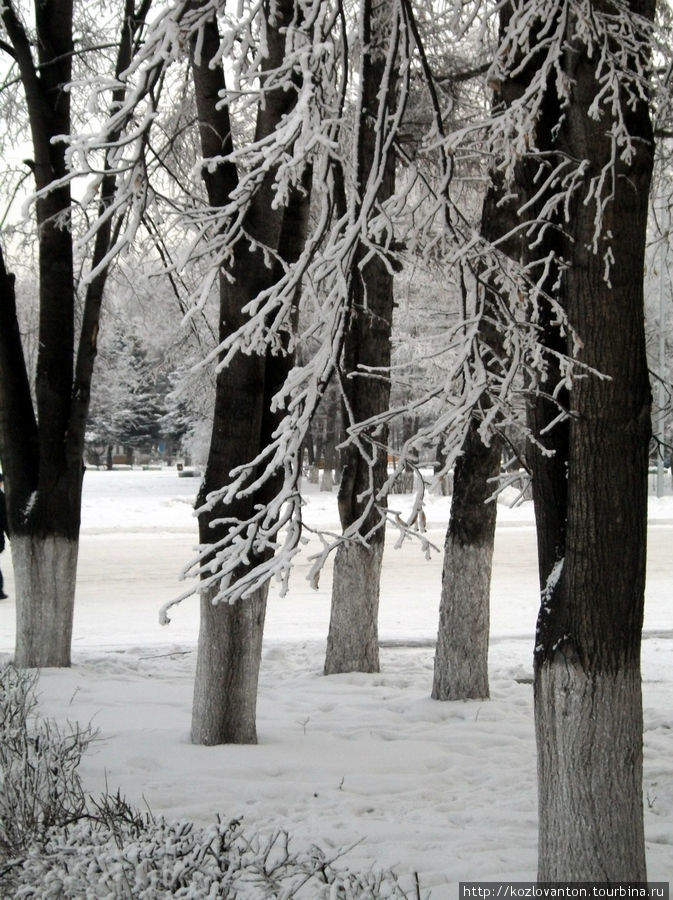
(177, 859)
(40, 788)
(57, 843)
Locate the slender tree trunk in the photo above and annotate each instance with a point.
(352, 642)
(587, 664)
(461, 659)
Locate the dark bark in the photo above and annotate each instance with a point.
(18, 427)
(549, 469)
(472, 518)
(461, 660)
(609, 417)
(230, 636)
(353, 633)
(45, 470)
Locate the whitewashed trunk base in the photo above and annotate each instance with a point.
(352, 641)
(590, 761)
(227, 671)
(45, 570)
(461, 659)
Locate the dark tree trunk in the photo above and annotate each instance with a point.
(230, 636)
(310, 450)
(461, 659)
(352, 642)
(592, 562)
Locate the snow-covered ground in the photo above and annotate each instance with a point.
(444, 789)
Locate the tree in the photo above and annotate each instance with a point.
(579, 79)
(587, 669)
(129, 401)
(352, 641)
(255, 514)
(230, 635)
(256, 219)
(41, 444)
(461, 657)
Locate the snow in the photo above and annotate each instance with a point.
(444, 789)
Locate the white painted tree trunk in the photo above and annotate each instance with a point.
(227, 671)
(590, 762)
(352, 642)
(327, 480)
(461, 660)
(45, 570)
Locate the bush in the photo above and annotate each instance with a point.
(40, 788)
(57, 843)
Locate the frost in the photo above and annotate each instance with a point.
(30, 506)
(552, 581)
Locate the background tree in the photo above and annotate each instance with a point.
(352, 641)
(461, 657)
(131, 403)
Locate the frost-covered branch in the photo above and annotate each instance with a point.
(425, 225)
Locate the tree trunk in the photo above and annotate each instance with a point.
(461, 659)
(227, 673)
(352, 642)
(353, 630)
(587, 662)
(589, 735)
(44, 577)
(230, 636)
